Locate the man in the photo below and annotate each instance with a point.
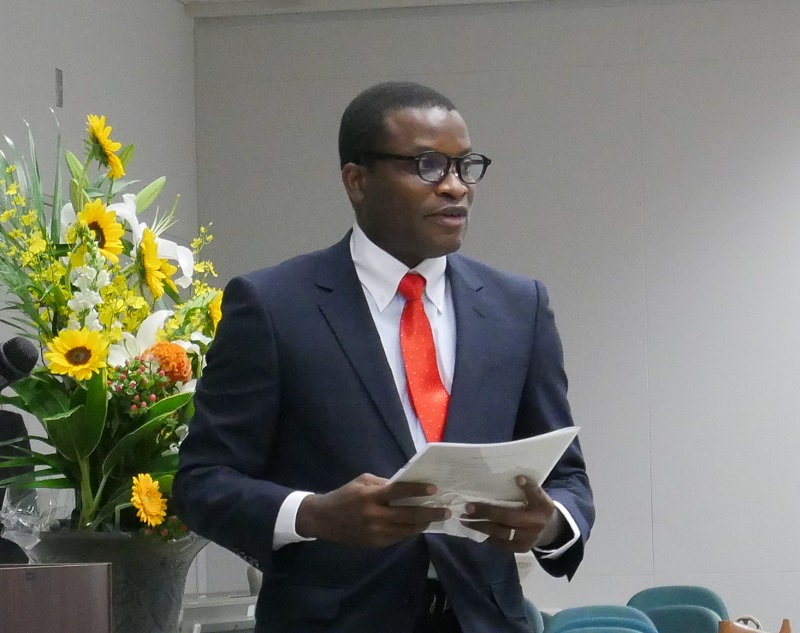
(318, 382)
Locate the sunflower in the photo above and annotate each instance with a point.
(78, 353)
(148, 500)
(157, 271)
(102, 147)
(107, 231)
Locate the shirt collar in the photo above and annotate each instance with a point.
(380, 273)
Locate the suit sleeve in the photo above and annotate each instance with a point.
(544, 408)
(221, 490)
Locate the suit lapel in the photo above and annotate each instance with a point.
(345, 308)
(475, 337)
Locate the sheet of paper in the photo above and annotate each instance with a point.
(466, 473)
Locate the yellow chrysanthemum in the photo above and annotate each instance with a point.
(148, 500)
(154, 275)
(77, 353)
(103, 147)
(107, 231)
(215, 309)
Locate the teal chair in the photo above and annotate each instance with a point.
(606, 629)
(579, 626)
(599, 615)
(679, 594)
(534, 617)
(684, 618)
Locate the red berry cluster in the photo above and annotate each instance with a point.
(138, 384)
(171, 529)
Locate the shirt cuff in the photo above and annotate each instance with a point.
(284, 524)
(556, 553)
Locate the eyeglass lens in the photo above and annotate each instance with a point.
(433, 167)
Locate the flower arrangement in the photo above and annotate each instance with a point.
(122, 317)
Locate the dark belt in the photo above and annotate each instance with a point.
(434, 601)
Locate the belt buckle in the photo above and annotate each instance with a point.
(439, 603)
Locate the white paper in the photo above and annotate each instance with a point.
(484, 473)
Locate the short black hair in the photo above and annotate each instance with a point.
(363, 122)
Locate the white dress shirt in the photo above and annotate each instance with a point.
(380, 274)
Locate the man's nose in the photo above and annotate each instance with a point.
(452, 184)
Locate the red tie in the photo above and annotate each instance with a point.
(425, 389)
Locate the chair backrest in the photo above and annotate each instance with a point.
(579, 626)
(683, 618)
(534, 617)
(608, 629)
(679, 594)
(560, 620)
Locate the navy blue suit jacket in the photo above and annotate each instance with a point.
(298, 395)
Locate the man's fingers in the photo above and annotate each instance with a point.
(535, 495)
(407, 490)
(416, 515)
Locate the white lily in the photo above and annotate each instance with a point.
(126, 210)
(132, 346)
(167, 249)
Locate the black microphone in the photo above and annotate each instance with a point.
(18, 357)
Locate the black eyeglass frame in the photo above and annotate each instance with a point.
(451, 160)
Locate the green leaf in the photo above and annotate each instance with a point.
(42, 394)
(126, 155)
(77, 195)
(96, 395)
(168, 405)
(36, 180)
(142, 437)
(165, 484)
(120, 497)
(20, 166)
(163, 464)
(147, 195)
(55, 219)
(76, 433)
(60, 483)
(74, 165)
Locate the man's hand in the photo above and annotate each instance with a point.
(518, 529)
(359, 513)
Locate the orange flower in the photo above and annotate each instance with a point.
(172, 359)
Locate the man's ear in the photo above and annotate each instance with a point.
(353, 179)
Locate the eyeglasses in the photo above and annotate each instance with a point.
(434, 166)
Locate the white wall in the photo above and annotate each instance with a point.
(133, 62)
(647, 168)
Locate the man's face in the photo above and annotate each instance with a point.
(409, 218)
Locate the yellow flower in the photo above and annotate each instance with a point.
(103, 147)
(12, 190)
(7, 215)
(215, 309)
(77, 353)
(37, 244)
(148, 500)
(107, 231)
(154, 276)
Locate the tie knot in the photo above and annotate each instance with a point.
(411, 286)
